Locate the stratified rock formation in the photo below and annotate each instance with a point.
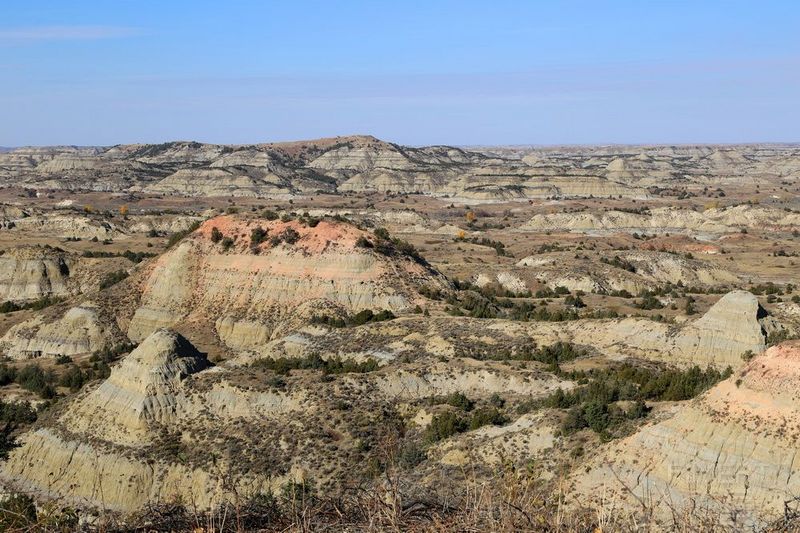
(727, 331)
(666, 220)
(81, 330)
(142, 394)
(629, 271)
(126, 411)
(365, 164)
(731, 450)
(29, 273)
(245, 291)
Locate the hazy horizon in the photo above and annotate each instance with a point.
(456, 73)
(463, 146)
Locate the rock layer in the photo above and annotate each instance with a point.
(29, 273)
(273, 282)
(81, 330)
(733, 448)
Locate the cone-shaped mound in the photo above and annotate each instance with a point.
(143, 392)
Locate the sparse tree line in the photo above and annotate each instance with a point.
(329, 366)
(362, 317)
(595, 404)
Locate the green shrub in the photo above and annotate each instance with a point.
(443, 426)
(17, 513)
(216, 235)
(649, 302)
(293, 491)
(333, 365)
(9, 307)
(34, 379)
(487, 416)
(8, 374)
(112, 278)
(411, 455)
(460, 401)
(73, 378)
(290, 236)
(592, 405)
(362, 317)
(257, 236)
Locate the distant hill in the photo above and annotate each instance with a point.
(361, 163)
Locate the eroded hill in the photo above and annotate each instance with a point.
(383, 327)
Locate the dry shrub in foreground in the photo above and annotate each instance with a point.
(511, 500)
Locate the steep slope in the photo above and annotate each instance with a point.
(142, 394)
(81, 330)
(297, 271)
(732, 327)
(29, 273)
(731, 449)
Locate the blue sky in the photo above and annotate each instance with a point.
(423, 72)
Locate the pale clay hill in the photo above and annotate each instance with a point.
(362, 164)
(248, 292)
(109, 446)
(732, 448)
(668, 219)
(561, 338)
(35, 272)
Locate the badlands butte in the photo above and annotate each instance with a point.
(347, 334)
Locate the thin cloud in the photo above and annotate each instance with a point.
(64, 33)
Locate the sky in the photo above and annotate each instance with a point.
(417, 72)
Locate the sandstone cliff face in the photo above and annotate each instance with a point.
(125, 412)
(667, 219)
(81, 330)
(29, 273)
(272, 283)
(642, 270)
(142, 393)
(733, 448)
(720, 337)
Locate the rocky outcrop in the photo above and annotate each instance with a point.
(30, 273)
(67, 226)
(142, 394)
(219, 182)
(667, 220)
(80, 331)
(271, 283)
(731, 328)
(732, 449)
(629, 271)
